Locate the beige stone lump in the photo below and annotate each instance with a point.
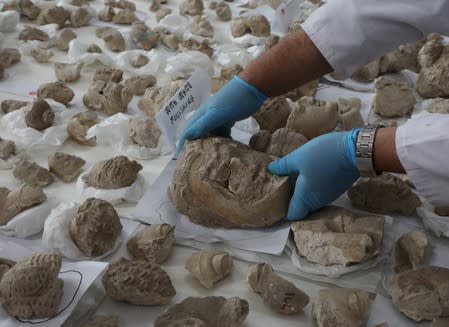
(229, 71)
(313, 117)
(9, 57)
(102, 321)
(431, 50)
(202, 26)
(337, 236)
(191, 7)
(342, 307)
(405, 57)
(68, 72)
(280, 294)
(385, 193)
(10, 105)
(257, 25)
(203, 46)
(106, 14)
(138, 282)
(272, 41)
(209, 266)
(31, 173)
(113, 173)
(438, 106)
(41, 55)
(214, 311)
(14, 202)
(156, 5)
(125, 16)
(5, 265)
(213, 5)
(108, 74)
(96, 227)
(80, 17)
(219, 182)
(411, 250)
(393, 98)
(7, 149)
(421, 294)
(440, 322)
(144, 131)
(278, 144)
(53, 15)
(223, 12)
(31, 289)
(78, 126)
(295, 25)
(169, 39)
(367, 73)
(112, 38)
(58, 91)
(139, 61)
(25, 7)
(122, 4)
(162, 12)
(109, 98)
(66, 166)
(143, 36)
(30, 33)
(138, 84)
(40, 116)
(93, 48)
(349, 111)
(155, 97)
(152, 243)
(63, 39)
(306, 90)
(273, 114)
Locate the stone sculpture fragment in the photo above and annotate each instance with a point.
(306, 90)
(349, 111)
(106, 14)
(404, 57)
(367, 73)
(144, 131)
(68, 72)
(393, 98)
(209, 266)
(138, 84)
(14, 202)
(63, 39)
(411, 250)
(191, 7)
(78, 126)
(66, 166)
(112, 38)
(31, 173)
(273, 114)
(280, 143)
(10, 105)
(58, 91)
(168, 38)
(25, 7)
(40, 116)
(7, 149)
(257, 25)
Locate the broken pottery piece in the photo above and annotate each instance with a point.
(411, 250)
(342, 307)
(57, 91)
(80, 17)
(421, 294)
(219, 182)
(280, 294)
(257, 25)
(41, 55)
(31, 173)
(139, 61)
(125, 16)
(138, 282)
(68, 72)
(367, 73)
(223, 12)
(191, 7)
(96, 227)
(313, 117)
(102, 321)
(438, 106)
(108, 74)
(5, 265)
(63, 39)
(209, 266)
(7, 149)
(155, 97)
(12, 105)
(53, 15)
(78, 126)
(393, 98)
(109, 98)
(138, 84)
(143, 36)
(113, 173)
(112, 38)
(278, 144)
(214, 311)
(273, 114)
(40, 116)
(31, 289)
(152, 243)
(384, 193)
(349, 111)
(14, 202)
(65, 166)
(202, 27)
(33, 33)
(337, 236)
(144, 131)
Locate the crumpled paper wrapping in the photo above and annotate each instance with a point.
(78, 52)
(9, 163)
(336, 271)
(56, 236)
(439, 225)
(174, 23)
(232, 54)
(8, 20)
(184, 64)
(30, 221)
(156, 63)
(248, 40)
(50, 29)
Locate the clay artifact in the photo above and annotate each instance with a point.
(65, 166)
(9, 57)
(229, 71)
(367, 73)
(138, 282)
(7, 149)
(102, 321)
(31, 173)
(107, 97)
(63, 39)
(78, 126)
(229, 187)
(68, 72)
(168, 38)
(122, 4)
(113, 173)
(273, 114)
(93, 48)
(106, 14)
(440, 322)
(278, 144)
(31, 289)
(278, 293)
(306, 90)
(152, 243)
(57, 91)
(195, 45)
(214, 311)
(96, 227)
(337, 236)
(393, 98)
(144, 131)
(10, 105)
(257, 25)
(209, 266)
(138, 84)
(25, 7)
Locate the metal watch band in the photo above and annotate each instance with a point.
(364, 150)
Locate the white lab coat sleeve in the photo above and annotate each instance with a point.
(351, 33)
(422, 145)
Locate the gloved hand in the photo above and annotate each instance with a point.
(327, 168)
(235, 101)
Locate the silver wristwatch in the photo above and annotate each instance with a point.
(364, 150)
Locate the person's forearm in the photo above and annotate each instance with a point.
(293, 62)
(385, 156)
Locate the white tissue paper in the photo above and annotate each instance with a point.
(45, 4)
(439, 225)
(131, 193)
(78, 52)
(184, 64)
(336, 271)
(114, 131)
(156, 63)
(56, 236)
(231, 55)
(8, 20)
(51, 30)
(248, 40)
(30, 221)
(248, 125)
(174, 23)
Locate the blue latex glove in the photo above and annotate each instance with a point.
(235, 101)
(327, 168)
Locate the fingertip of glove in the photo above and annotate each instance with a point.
(273, 167)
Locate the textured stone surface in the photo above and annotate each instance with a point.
(306, 90)
(335, 235)
(41, 55)
(57, 91)
(112, 38)
(229, 71)
(139, 61)
(404, 57)
(349, 111)
(10, 105)
(9, 57)
(31, 173)
(5, 265)
(80, 17)
(138, 282)
(393, 98)
(95, 227)
(202, 27)
(203, 46)
(155, 97)
(7, 149)
(440, 322)
(278, 144)
(219, 182)
(138, 84)
(421, 294)
(191, 7)
(39, 116)
(438, 105)
(223, 12)
(78, 126)
(273, 114)
(65, 166)
(152, 243)
(68, 72)
(63, 39)
(108, 74)
(257, 25)
(214, 311)
(102, 321)
(109, 98)
(53, 15)
(31, 288)
(280, 294)
(143, 36)
(30, 33)
(209, 266)
(144, 131)
(411, 250)
(367, 73)
(22, 198)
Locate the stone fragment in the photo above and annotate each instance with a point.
(169, 39)
(337, 236)
(342, 307)
(108, 74)
(385, 193)
(202, 27)
(139, 61)
(9, 57)
(112, 38)
(53, 15)
(440, 322)
(138, 84)
(155, 97)
(78, 126)
(80, 17)
(5, 265)
(63, 39)
(31, 173)
(214, 311)
(58, 91)
(31, 289)
(257, 25)
(96, 227)
(367, 73)
(125, 16)
(306, 90)
(28, 9)
(349, 111)
(280, 143)
(144, 131)
(209, 266)
(404, 57)
(273, 114)
(152, 243)
(278, 293)
(438, 106)
(109, 98)
(229, 71)
(122, 4)
(223, 12)
(66, 166)
(213, 5)
(12, 105)
(191, 7)
(102, 321)
(41, 55)
(93, 48)
(393, 98)
(138, 282)
(68, 72)
(195, 45)
(219, 182)
(7, 149)
(143, 36)
(106, 14)
(40, 116)
(30, 33)
(411, 250)
(113, 173)
(162, 12)
(421, 294)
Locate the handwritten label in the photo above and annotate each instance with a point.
(188, 98)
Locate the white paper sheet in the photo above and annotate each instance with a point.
(439, 225)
